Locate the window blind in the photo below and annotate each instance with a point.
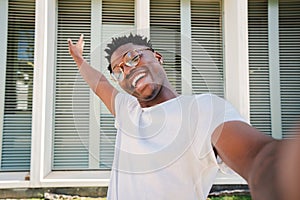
(260, 111)
(117, 20)
(71, 118)
(289, 46)
(289, 51)
(165, 37)
(16, 141)
(118, 12)
(207, 47)
(72, 98)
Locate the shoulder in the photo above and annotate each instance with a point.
(124, 100)
(209, 98)
(214, 104)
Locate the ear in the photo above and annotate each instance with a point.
(159, 57)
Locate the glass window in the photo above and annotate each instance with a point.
(16, 138)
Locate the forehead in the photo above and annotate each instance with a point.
(120, 51)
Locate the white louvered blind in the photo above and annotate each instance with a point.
(289, 46)
(71, 119)
(72, 98)
(117, 20)
(16, 141)
(165, 37)
(207, 47)
(260, 111)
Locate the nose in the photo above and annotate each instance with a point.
(126, 69)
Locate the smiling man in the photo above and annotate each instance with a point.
(167, 144)
(132, 72)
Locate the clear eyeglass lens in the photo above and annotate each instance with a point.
(117, 74)
(132, 58)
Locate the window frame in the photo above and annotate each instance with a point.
(7, 179)
(3, 40)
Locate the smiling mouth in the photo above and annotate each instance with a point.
(137, 78)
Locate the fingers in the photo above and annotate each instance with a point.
(81, 38)
(70, 42)
(81, 41)
(76, 49)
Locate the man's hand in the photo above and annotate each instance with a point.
(288, 169)
(76, 50)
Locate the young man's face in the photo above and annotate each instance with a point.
(144, 80)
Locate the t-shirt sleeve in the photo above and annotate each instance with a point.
(213, 111)
(124, 105)
(120, 102)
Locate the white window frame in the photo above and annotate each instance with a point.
(274, 68)
(42, 136)
(41, 174)
(7, 179)
(236, 61)
(236, 55)
(3, 40)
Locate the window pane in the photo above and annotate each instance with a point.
(207, 47)
(117, 20)
(165, 37)
(16, 141)
(260, 111)
(71, 136)
(289, 47)
(73, 103)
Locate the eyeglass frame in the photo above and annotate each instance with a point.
(139, 51)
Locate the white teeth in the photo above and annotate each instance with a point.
(138, 77)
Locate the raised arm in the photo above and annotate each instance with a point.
(95, 79)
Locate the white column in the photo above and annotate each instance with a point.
(44, 62)
(274, 68)
(94, 117)
(186, 47)
(236, 55)
(142, 17)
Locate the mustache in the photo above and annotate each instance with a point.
(134, 71)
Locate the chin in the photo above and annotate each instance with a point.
(149, 96)
(147, 93)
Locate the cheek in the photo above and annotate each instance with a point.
(123, 85)
(126, 87)
(158, 73)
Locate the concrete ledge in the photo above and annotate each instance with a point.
(39, 192)
(100, 192)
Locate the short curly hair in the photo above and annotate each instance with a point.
(119, 41)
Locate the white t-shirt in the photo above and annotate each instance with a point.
(164, 152)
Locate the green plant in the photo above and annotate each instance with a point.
(230, 198)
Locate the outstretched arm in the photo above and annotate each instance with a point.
(95, 79)
(268, 165)
(239, 144)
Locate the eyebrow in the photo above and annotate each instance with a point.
(117, 65)
(122, 59)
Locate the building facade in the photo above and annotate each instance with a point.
(57, 132)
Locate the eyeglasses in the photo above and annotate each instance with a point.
(130, 59)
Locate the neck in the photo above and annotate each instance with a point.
(165, 94)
